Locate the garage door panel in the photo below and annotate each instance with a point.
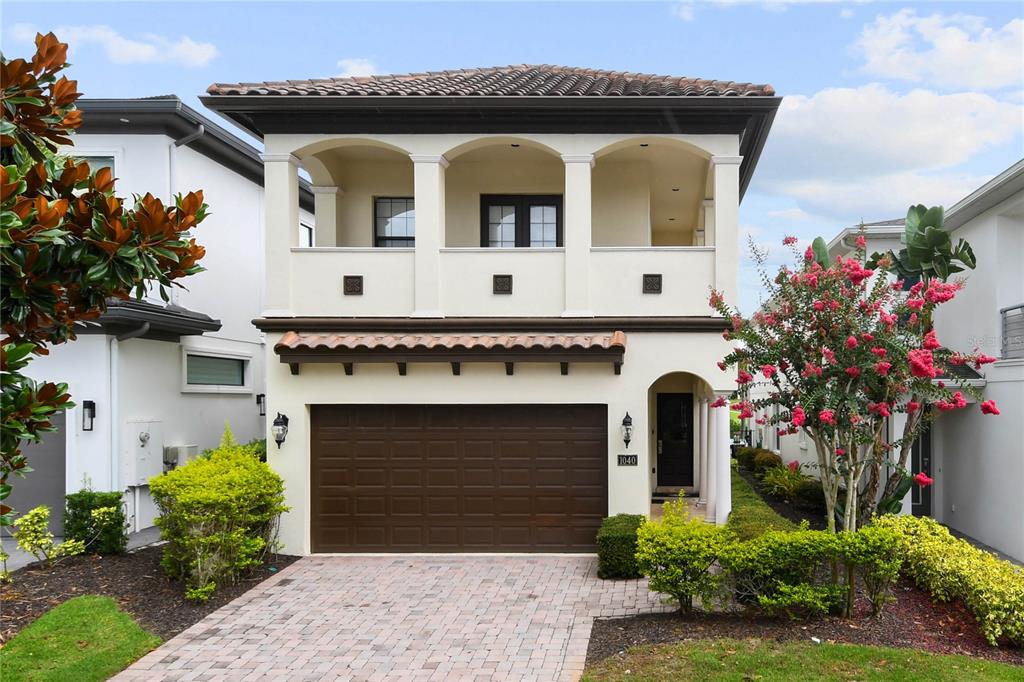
(399, 478)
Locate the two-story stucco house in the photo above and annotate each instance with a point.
(154, 380)
(509, 262)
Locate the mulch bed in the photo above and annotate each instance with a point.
(135, 581)
(814, 517)
(912, 621)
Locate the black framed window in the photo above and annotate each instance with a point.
(394, 222)
(519, 220)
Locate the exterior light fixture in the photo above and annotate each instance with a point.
(279, 429)
(88, 414)
(261, 403)
(627, 429)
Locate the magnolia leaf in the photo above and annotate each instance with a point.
(932, 217)
(820, 249)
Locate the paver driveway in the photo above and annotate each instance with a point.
(404, 618)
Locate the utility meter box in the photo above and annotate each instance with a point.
(142, 446)
(178, 455)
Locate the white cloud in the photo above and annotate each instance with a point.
(150, 49)
(791, 214)
(356, 66)
(949, 51)
(683, 10)
(846, 13)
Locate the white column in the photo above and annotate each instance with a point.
(711, 474)
(706, 235)
(428, 190)
(325, 210)
(281, 230)
(702, 445)
(577, 234)
(723, 467)
(726, 214)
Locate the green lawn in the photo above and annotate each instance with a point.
(750, 515)
(85, 638)
(798, 662)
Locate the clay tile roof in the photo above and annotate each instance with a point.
(313, 341)
(523, 80)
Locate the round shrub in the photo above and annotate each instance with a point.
(616, 546)
(677, 557)
(745, 456)
(102, 532)
(810, 495)
(219, 517)
(765, 460)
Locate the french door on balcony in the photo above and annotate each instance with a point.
(518, 220)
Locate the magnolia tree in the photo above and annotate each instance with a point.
(68, 244)
(839, 352)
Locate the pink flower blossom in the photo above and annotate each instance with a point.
(768, 371)
(983, 359)
(851, 341)
(809, 254)
(819, 305)
(867, 337)
(930, 341)
(744, 377)
(879, 352)
(915, 303)
(794, 465)
(761, 420)
(811, 370)
(840, 452)
(811, 280)
(853, 372)
(861, 242)
(827, 416)
(722, 365)
(789, 240)
(913, 406)
(922, 363)
(799, 417)
(923, 480)
(913, 319)
(829, 355)
(716, 299)
(720, 402)
(940, 292)
(883, 368)
(989, 407)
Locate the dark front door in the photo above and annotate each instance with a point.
(921, 460)
(675, 439)
(458, 478)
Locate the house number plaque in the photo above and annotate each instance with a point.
(627, 460)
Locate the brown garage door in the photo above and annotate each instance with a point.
(458, 478)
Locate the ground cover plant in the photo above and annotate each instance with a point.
(84, 639)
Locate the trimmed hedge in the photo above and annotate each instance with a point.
(765, 460)
(616, 546)
(106, 533)
(745, 457)
(949, 568)
(219, 516)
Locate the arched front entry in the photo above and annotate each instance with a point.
(688, 444)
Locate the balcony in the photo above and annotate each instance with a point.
(504, 227)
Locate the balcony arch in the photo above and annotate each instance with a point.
(495, 166)
(649, 191)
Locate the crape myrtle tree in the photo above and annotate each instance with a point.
(840, 352)
(67, 244)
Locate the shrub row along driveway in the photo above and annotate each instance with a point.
(405, 618)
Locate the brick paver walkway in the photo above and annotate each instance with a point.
(404, 618)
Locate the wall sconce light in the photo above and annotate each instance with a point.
(88, 414)
(261, 403)
(279, 429)
(627, 429)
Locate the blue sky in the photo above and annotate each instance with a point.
(887, 103)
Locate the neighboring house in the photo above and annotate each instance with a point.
(508, 261)
(150, 376)
(977, 461)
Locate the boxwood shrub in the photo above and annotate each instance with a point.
(765, 460)
(949, 568)
(105, 533)
(616, 546)
(219, 517)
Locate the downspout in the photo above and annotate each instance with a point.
(115, 416)
(172, 179)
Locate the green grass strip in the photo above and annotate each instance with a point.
(751, 516)
(85, 638)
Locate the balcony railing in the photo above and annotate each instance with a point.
(484, 282)
(1013, 331)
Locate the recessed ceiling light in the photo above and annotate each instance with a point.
(675, 189)
(123, 120)
(671, 218)
(516, 145)
(644, 144)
